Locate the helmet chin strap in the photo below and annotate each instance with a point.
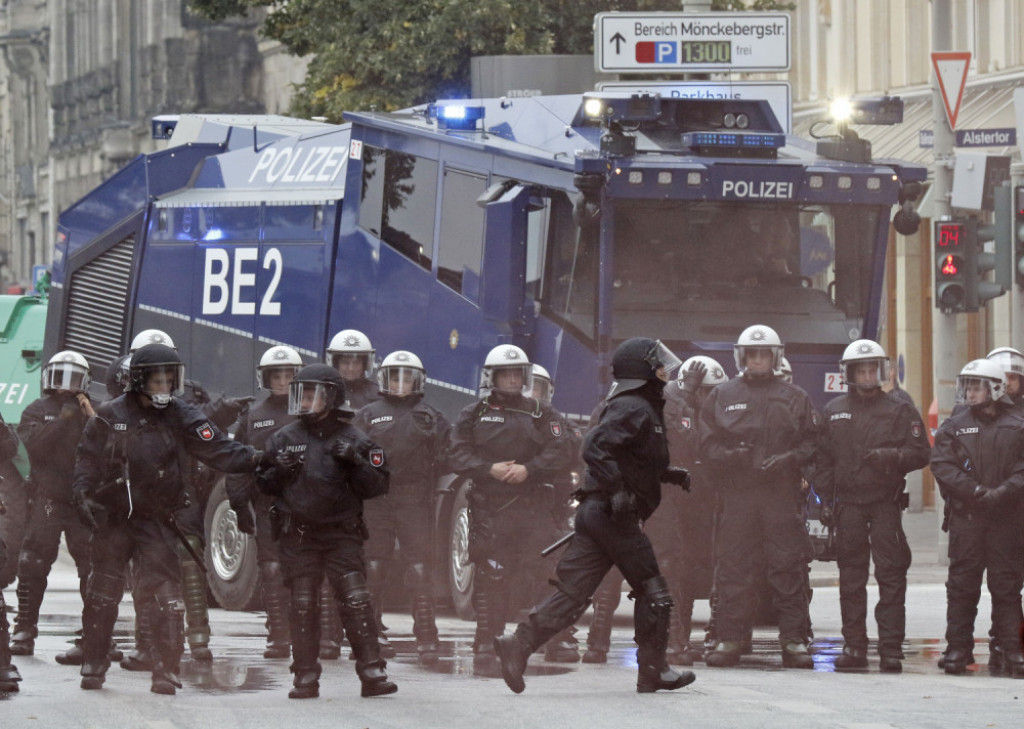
(159, 400)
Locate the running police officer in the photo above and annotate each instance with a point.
(9, 676)
(129, 482)
(275, 372)
(757, 432)
(414, 436)
(627, 459)
(512, 447)
(978, 461)
(323, 470)
(50, 428)
(870, 441)
(352, 355)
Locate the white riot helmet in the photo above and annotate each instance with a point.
(349, 344)
(785, 370)
(151, 336)
(506, 358)
(66, 371)
(758, 336)
(1010, 359)
(980, 373)
(714, 375)
(279, 357)
(864, 352)
(401, 373)
(543, 387)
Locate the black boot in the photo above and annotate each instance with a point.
(361, 627)
(852, 659)
(490, 615)
(652, 615)
(276, 598)
(600, 633)
(331, 633)
(1013, 664)
(563, 647)
(197, 610)
(168, 640)
(165, 680)
(796, 655)
(654, 678)
(513, 651)
(305, 621)
(30, 596)
(956, 660)
(141, 657)
(424, 627)
(306, 684)
(9, 676)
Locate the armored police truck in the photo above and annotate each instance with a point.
(561, 224)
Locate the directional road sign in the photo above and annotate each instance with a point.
(665, 42)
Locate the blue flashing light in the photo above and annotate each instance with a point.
(458, 116)
(733, 140)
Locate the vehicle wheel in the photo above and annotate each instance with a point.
(232, 571)
(460, 569)
(12, 524)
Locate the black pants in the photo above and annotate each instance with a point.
(755, 517)
(869, 532)
(48, 521)
(978, 544)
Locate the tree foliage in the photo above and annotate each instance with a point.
(390, 54)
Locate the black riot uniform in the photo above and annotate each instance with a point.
(870, 441)
(9, 676)
(746, 424)
(978, 461)
(50, 428)
(130, 479)
(257, 425)
(324, 468)
(510, 523)
(626, 455)
(361, 392)
(414, 435)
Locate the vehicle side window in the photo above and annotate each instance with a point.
(462, 233)
(397, 202)
(570, 290)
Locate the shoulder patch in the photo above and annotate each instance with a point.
(556, 428)
(915, 429)
(205, 431)
(685, 422)
(376, 457)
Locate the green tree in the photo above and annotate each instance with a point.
(390, 54)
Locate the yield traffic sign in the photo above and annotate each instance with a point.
(951, 71)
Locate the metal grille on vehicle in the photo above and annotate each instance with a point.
(97, 310)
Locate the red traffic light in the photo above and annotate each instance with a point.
(950, 265)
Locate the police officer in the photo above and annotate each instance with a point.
(513, 448)
(222, 411)
(351, 353)
(414, 436)
(757, 432)
(50, 428)
(9, 676)
(627, 459)
(1012, 362)
(870, 441)
(274, 373)
(978, 461)
(323, 470)
(129, 482)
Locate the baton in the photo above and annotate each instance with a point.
(560, 543)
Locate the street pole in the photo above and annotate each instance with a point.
(1015, 294)
(944, 336)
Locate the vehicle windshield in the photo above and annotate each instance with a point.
(705, 271)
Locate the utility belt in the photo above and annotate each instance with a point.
(283, 522)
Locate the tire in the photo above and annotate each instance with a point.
(459, 568)
(232, 571)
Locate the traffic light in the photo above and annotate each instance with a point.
(978, 262)
(1018, 234)
(950, 267)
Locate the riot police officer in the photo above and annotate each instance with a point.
(513, 447)
(9, 676)
(129, 482)
(50, 428)
(274, 373)
(627, 459)
(351, 353)
(978, 461)
(414, 435)
(1012, 362)
(758, 432)
(870, 441)
(323, 470)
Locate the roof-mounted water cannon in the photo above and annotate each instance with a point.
(619, 115)
(846, 144)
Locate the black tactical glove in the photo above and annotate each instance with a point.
(677, 476)
(883, 458)
(245, 519)
(694, 376)
(344, 451)
(778, 463)
(624, 507)
(992, 499)
(238, 405)
(90, 512)
(287, 461)
(263, 459)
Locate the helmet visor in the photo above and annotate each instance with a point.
(866, 374)
(400, 381)
(66, 376)
(543, 390)
(661, 356)
(309, 398)
(276, 378)
(513, 379)
(973, 390)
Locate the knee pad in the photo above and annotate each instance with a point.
(655, 591)
(271, 572)
(32, 567)
(353, 590)
(105, 589)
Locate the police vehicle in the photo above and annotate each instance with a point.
(561, 224)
